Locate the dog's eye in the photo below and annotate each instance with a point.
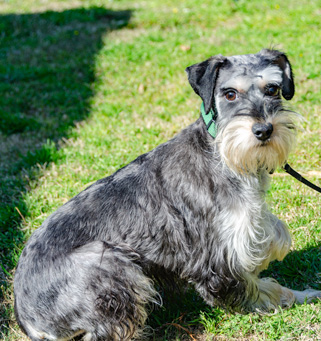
(272, 90)
(231, 95)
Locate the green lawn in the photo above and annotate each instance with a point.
(88, 85)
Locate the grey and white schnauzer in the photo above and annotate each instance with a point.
(193, 207)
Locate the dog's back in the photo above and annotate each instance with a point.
(82, 271)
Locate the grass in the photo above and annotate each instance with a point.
(86, 86)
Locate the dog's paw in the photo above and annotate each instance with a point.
(287, 298)
(308, 296)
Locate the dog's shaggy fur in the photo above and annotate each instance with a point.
(193, 207)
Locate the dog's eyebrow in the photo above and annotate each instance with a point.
(271, 74)
(239, 83)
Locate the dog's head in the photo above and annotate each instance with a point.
(254, 130)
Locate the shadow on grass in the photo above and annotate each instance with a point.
(299, 270)
(46, 71)
(178, 318)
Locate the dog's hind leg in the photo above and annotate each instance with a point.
(117, 291)
(99, 290)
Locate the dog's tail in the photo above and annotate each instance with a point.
(100, 292)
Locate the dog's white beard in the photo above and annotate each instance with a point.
(244, 153)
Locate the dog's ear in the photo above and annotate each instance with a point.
(203, 76)
(281, 60)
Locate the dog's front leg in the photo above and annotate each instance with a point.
(280, 244)
(272, 296)
(282, 240)
(269, 288)
(247, 294)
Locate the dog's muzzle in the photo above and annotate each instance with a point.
(262, 131)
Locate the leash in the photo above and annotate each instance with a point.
(209, 120)
(299, 177)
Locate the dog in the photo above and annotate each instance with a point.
(193, 207)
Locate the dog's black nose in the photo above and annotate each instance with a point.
(262, 131)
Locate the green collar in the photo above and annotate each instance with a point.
(209, 120)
